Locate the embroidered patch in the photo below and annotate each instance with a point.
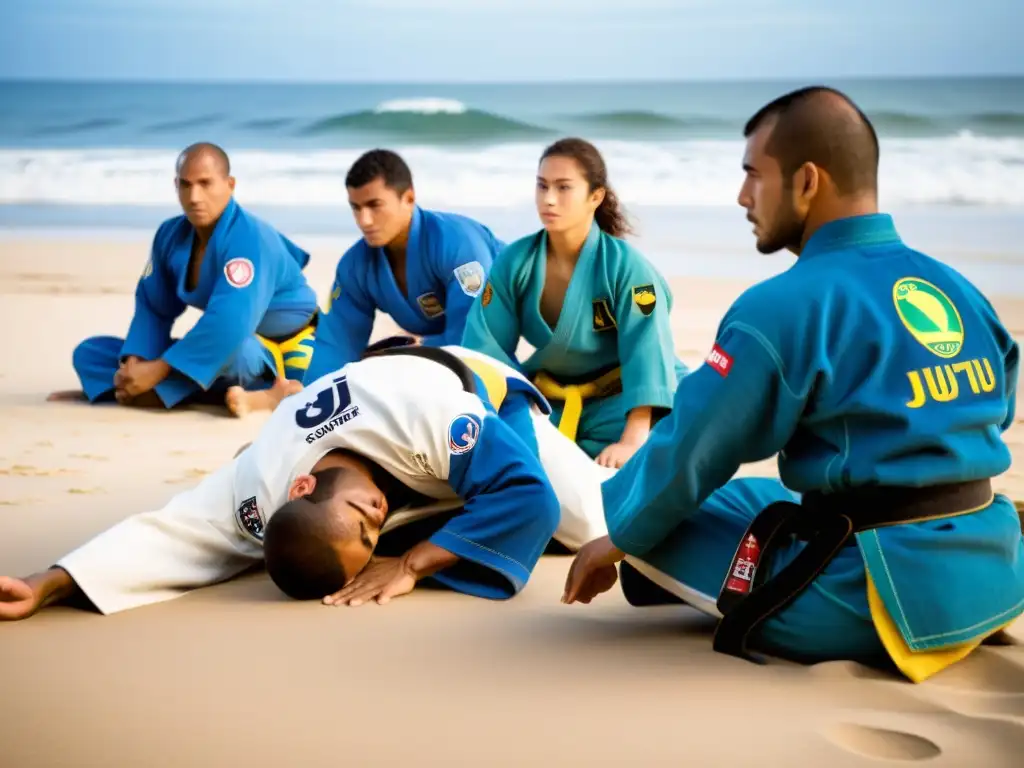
(470, 277)
(239, 272)
(463, 432)
(249, 518)
(430, 304)
(488, 294)
(719, 360)
(644, 298)
(332, 297)
(604, 320)
(148, 269)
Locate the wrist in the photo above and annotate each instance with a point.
(51, 586)
(426, 559)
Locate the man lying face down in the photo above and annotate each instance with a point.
(442, 458)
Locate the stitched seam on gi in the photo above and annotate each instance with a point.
(940, 635)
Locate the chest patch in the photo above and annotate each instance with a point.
(470, 277)
(603, 318)
(430, 305)
(249, 518)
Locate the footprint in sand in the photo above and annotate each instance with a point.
(85, 490)
(190, 474)
(24, 470)
(90, 457)
(883, 743)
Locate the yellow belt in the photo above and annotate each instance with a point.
(301, 343)
(494, 381)
(574, 395)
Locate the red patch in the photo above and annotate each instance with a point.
(719, 360)
(239, 272)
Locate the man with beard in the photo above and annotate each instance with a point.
(883, 379)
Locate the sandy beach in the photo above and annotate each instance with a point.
(239, 673)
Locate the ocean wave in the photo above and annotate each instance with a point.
(965, 169)
(432, 120)
(426, 120)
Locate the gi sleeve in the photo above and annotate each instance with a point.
(467, 275)
(734, 409)
(492, 323)
(646, 350)
(344, 327)
(157, 306)
(511, 511)
(150, 557)
(241, 294)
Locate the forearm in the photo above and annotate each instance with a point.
(426, 559)
(638, 426)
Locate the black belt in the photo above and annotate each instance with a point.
(435, 354)
(826, 522)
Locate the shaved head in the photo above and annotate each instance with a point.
(201, 149)
(315, 543)
(823, 126)
(202, 175)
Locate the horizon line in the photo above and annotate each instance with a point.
(48, 80)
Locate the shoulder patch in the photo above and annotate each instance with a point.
(463, 432)
(488, 294)
(239, 272)
(470, 277)
(332, 297)
(604, 320)
(430, 304)
(719, 360)
(249, 519)
(148, 269)
(645, 298)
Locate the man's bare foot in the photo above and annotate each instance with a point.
(148, 399)
(241, 403)
(66, 396)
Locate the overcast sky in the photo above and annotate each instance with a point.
(501, 40)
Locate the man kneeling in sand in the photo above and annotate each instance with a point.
(442, 449)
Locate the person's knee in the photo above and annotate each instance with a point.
(96, 352)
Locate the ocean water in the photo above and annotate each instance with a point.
(101, 155)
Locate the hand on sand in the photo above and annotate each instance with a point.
(616, 454)
(383, 579)
(17, 599)
(592, 571)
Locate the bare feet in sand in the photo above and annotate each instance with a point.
(241, 402)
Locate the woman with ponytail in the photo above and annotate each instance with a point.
(595, 310)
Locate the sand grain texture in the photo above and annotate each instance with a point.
(238, 673)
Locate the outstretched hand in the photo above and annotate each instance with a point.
(592, 571)
(383, 578)
(17, 599)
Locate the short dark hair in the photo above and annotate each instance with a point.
(202, 147)
(298, 543)
(380, 164)
(822, 125)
